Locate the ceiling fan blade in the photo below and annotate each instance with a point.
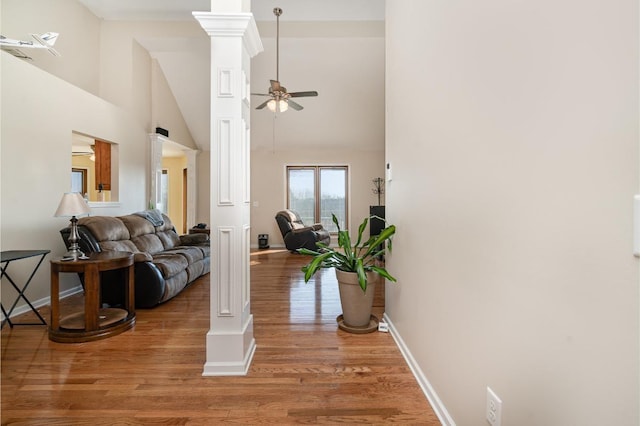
(303, 94)
(294, 105)
(260, 94)
(262, 105)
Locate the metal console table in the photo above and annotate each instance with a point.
(6, 257)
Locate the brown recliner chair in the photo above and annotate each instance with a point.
(296, 235)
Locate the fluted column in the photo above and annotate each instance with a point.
(234, 41)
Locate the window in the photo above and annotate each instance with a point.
(164, 192)
(79, 181)
(317, 192)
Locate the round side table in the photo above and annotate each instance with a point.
(95, 322)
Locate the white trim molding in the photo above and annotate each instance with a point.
(45, 301)
(436, 403)
(232, 25)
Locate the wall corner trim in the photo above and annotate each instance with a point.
(436, 403)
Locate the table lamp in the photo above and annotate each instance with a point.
(72, 205)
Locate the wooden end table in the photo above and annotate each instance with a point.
(95, 322)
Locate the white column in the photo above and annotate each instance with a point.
(234, 41)
(155, 169)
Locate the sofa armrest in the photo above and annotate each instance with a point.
(141, 256)
(298, 231)
(193, 239)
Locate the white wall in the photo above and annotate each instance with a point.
(268, 184)
(512, 130)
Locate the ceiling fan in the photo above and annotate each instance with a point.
(281, 99)
(84, 151)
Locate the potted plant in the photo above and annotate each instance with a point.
(357, 266)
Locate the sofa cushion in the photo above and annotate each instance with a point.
(139, 256)
(137, 225)
(205, 249)
(170, 264)
(194, 270)
(149, 243)
(168, 238)
(121, 245)
(175, 285)
(167, 225)
(105, 228)
(192, 254)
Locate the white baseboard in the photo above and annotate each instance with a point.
(427, 389)
(45, 301)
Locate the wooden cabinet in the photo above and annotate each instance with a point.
(103, 165)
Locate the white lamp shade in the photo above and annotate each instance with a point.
(72, 204)
(280, 105)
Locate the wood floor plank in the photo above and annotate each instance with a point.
(304, 371)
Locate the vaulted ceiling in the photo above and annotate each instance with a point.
(333, 46)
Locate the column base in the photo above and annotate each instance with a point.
(230, 354)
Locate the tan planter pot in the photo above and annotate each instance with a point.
(356, 304)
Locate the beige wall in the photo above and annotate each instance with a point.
(37, 124)
(165, 111)
(45, 100)
(79, 37)
(512, 131)
(268, 184)
(348, 131)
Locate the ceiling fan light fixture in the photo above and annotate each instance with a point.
(278, 106)
(279, 101)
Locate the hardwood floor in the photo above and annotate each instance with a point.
(305, 370)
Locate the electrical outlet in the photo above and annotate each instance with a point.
(494, 408)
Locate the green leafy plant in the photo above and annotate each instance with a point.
(362, 257)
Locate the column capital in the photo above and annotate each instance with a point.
(232, 25)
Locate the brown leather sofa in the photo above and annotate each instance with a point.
(165, 262)
(296, 235)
